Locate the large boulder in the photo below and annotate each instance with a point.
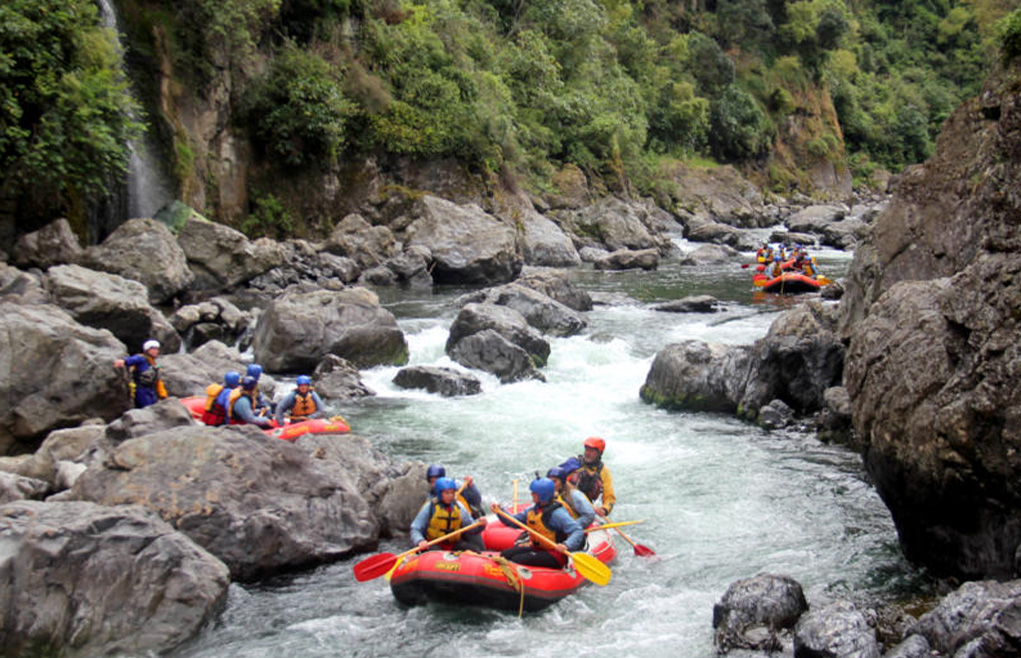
(53, 244)
(109, 301)
(626, 259)
(467, 244)
(144, 250)
(260, 504)
(188, 374)
(448, 382)
(539, 310)
(499, 340)
(938, 399)
(79, 579)
(297, 330)
(614, 224)
(60, 445)
(223, 258)
(336, 378)
(556, 285)
(54, 373)
(368, 245)
(755, 613)
(837, 630)
(982, 615)
(22, 287)
(544, 243)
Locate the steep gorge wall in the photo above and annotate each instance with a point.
(933, 316)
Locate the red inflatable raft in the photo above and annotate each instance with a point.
(788, 282)
(289, 432)
(486, 579)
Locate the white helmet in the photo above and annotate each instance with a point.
(149, 344)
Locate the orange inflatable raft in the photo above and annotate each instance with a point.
(486, 579)
(289, 432)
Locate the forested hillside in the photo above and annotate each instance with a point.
(516, 88)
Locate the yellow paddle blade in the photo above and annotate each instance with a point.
(824, 280)
(591, 568)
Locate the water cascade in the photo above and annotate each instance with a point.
(148, 186)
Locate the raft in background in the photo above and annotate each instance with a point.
(788, 282)
(289, 432)
(486, 579)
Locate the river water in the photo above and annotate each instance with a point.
(720, 499)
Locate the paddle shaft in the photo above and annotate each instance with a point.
(545, 540)
(607, 526)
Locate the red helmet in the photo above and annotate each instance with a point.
(595, 442)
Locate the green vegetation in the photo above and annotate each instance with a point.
(65, 112)
(613, 87)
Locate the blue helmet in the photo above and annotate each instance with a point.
(435, 471)
(556, 472)
(443, 484)
(249, 383)
(303, 380)
(254, 370)
(232, 379)
(544, 489)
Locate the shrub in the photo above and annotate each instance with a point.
(1010, 36)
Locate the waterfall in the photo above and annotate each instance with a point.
(148, 186)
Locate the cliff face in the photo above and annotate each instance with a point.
(933, 316)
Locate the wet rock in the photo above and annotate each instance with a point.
(146, 251)
(711, 254)
(164, 415)
(499, 340)
(17, 487)
(776, 415)
(264, 506)
(445, 381)
(691, 304)
(296, 331)
(539, 310)
(557, 285)
(838, 630)
(754, 613)
(336, 378)
(101, 580)
(980, 618)
(412, 266)
(53, 244)
(914, 646)
(625, 259)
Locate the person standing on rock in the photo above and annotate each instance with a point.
(146, 383)
(302, 403)
(241, 406)
(593, 478)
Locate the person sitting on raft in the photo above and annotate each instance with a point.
(241, 405)
(468, 494)
(575, 502)
(302, 403)
(548, 518)
(262, 404)
(442, 515)
(218, 397)
(593, 477)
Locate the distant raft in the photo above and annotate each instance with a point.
(787, 283)
(290, 431)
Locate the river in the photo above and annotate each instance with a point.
(721, 499)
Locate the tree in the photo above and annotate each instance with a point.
(65, 109)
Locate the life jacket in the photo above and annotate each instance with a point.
(212, 391)
(304, 406)
(809, 268)
(216, 405)
(235, 395)
(590, 482)
(149, 376)
(443, 521)
(565, 502)
(538, 519)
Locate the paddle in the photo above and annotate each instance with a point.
(587, 565)
(375, 566)
(640, 549)
(607, 526)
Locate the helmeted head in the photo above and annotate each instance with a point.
(303, 380)
(544, 489)
(776, 259)
(594, 442)
(556, 473)
(150, 344)
(231, 379)
(254, 370)
(249, 383)
(444, 484)
(434, 471)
